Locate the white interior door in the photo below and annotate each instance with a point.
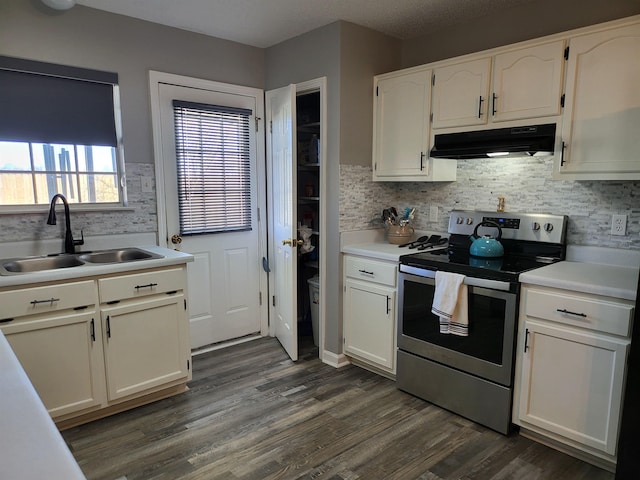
(224, 279)
(280, 111)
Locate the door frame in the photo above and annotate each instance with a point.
(310, 86)
(155, 79)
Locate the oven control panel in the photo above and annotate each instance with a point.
(537, 227)
(504, 222)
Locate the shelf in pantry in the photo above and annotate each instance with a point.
(308, 166)
(308, 199)
(313, 127)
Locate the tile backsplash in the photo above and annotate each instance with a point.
(526, 185)
(141, 219)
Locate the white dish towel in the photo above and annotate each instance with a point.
(450, 303)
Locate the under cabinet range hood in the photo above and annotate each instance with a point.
(500, 142)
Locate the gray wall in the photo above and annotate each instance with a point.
(313, 55)
(363, 54)
(90, 38)
(527, 185)
(511, 25)
(348, 55)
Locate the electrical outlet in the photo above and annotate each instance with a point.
(433, 213)
(619, 225)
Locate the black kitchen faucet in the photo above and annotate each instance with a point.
(69, 242)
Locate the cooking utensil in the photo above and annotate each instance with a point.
(441, 241)
(431, 240)
(438, 242)
(486, 246)
(416, 242)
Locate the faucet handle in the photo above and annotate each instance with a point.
(81, 241)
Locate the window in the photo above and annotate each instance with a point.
(214, 169)
(58, 134)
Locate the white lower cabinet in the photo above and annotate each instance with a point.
(572, 351)
(88, 358)
(62, 355)
(145, 345)
(369, 309)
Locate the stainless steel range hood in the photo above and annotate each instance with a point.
(501, 142)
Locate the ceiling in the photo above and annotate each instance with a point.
(263, 23)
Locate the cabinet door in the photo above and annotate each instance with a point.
(460, 94)
(572, 384)
(369, 323)
(401, 125)
(602, 105)
(527, 83)
(62, 356)
(146, 345)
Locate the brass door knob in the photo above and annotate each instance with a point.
(176, 239)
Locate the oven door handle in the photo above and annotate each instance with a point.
(470, 281)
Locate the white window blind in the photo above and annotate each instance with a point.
(214, 167)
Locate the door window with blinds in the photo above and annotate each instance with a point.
(213, 167)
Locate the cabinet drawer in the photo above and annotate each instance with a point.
(50, 298)
(580, 311)
(141, 284)
(371, 270)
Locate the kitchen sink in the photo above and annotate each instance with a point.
(36, 264)
(118, 256)
(16, 266)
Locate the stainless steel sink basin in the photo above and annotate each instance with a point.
(118, 256)
(36, 264)
(17, 266)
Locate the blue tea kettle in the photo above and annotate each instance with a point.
(486, 246)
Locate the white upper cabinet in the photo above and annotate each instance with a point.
(523, 83)
(602, 108)
(527, 83)
(402, 124)
(460, 94)
(402, 105)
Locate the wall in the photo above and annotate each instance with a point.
(348, 55)
(363, 54)
(510, 25)
(314, 55)
(90, 38)
(526, 184)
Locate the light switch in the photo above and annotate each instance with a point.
(433, 213)
(147, 184)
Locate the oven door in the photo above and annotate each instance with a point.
(487, 352)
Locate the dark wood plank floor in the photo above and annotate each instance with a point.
(251, 413)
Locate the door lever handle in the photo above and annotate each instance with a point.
(292, 242)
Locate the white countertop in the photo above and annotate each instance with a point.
(598, 279)
(379, 250)
(372, 243)
(31, 447)
(170, 257)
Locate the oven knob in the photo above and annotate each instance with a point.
(548, 227)
(459, 220)
(535, 226)
(469, 221)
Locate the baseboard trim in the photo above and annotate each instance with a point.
(608, 464)
(334, 360)
(221, 345)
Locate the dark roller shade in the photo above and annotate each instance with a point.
(48, 103)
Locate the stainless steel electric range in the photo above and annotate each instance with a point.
(473, 375)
